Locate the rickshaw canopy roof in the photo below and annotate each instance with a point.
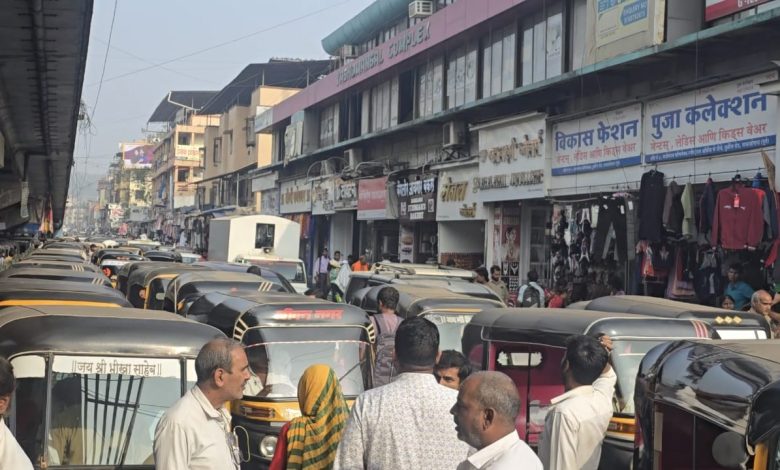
(414, 300)
(51, 264)
(733, 384)
(24, 272)
(208, 281)
(39, 289)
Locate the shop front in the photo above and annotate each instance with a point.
(295, 204)
(344, 237)
(461, 219)
(510, 180)
(418, 237)
(377, 221)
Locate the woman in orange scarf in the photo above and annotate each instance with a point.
(311, 440)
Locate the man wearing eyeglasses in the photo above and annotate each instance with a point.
(194, 434)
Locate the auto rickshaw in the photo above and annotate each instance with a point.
(265, 273)
(67, 265)
(359, 281)
(159, 255)
(399, 273)
(125, 271)
(63, 254)
(709, 405)
(110, 263)
(186, 287)
(528, 344)
(729, 324)
(91, 395)
(153, 277)
(25, 272)
(120, 251)
(448, 310)
(283, 334)
(34, 292)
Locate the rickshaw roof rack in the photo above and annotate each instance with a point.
(420, 270)
(97, 330)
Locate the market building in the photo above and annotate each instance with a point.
(534, 124)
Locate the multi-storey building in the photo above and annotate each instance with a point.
(494, 131)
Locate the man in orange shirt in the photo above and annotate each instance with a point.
(360, 264)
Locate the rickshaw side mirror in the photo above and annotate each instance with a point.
(728, 450)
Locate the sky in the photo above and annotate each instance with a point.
(147, 33)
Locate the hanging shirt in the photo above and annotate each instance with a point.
(651, 206)
(11, 454)
(739, 218)
(707, 207)
(689, 212)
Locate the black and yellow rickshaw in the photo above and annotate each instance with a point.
(448, 310)
(125, 271)
(153, 277)
(91, 395)
(283, 335)
(265, 273)
(528, 344)
(729, 324)
(709, 405)
(25, 272)
(166, 256)
(111, 263)
(62, 254)
(186, 287)
(36, 292)
(49, 264)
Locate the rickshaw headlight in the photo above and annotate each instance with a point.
(268, 446)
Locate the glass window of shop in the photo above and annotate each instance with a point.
(542, 44)
(430, 79)
(462, 75)
(328, 125)
(499, 59)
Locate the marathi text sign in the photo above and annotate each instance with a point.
(322, 197)
(601, 142)
(457, 197)
(295, 196)
(417, 200)
(344, 195)
(372, 199)
(727, 118)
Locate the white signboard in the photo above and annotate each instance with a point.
(117, 365)
(264, 182)
(722, 119)
(511, 161)
(457, 198)
(322, 197)
(600, 142)
(619, 19)
(295, 196)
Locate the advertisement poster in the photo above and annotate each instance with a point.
(406, 244)
(719, 8)
(722, 119)
(619, 19)
(137, 156)
(372, 199)
(344, 195)
(600, 142)
(506, 246)
(322, 197)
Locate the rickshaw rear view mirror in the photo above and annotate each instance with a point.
(728, 450)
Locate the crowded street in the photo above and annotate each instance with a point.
(390, 234)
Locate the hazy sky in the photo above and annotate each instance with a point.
(148, 32)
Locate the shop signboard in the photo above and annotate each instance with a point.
(417, 200)
(600, 142)
(322, 197)
(727, 118)
(190, 153)
(269, 202)
(511, 160)
(344, 195)
(457, 198)
(372, 199)
(295, 196)
(264, 182)
(719, 8)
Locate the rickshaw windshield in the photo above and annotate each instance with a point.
(450, 328)
(277, 367)
(626, 356)
(104, 410)
(291, 270)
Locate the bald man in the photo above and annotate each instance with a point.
(761, 303)
(488, 404)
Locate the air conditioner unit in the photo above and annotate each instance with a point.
(420, 9)
(353, 157)
(349, 51)
(453, 134)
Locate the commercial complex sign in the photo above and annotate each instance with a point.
(417, 200)
(372, 199)
(457, 199)
(295, 196)
(344, 195)
(601, 142)
(726, 118)
(719, 8)
(511, 160)
(322, 197)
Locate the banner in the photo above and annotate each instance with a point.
(137, 156)
(372, 199)
(619, 19)
(600, 142)
(727, 118)
(719, 8)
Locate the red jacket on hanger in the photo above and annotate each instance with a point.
(739, 218)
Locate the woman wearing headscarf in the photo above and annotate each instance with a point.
(311, 440)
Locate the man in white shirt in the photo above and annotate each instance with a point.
(577, 421)
(194, 434)
(405, 424)
(485, 413)
(321, 271)
(11, 454)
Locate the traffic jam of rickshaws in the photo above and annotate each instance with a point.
(103, 338)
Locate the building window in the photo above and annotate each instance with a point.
(462, 75)
(230, 142)
(250, 132)
(542, 49)
(328, 125)
(499, 59)
(217, 150)
(381, 105)
(184, 138)
(182, 174)
(430, 89)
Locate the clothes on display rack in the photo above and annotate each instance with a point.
(689, 212)
(739, 217)
(609, 240)
(673, 209)
(707, 208)
(651, 206)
